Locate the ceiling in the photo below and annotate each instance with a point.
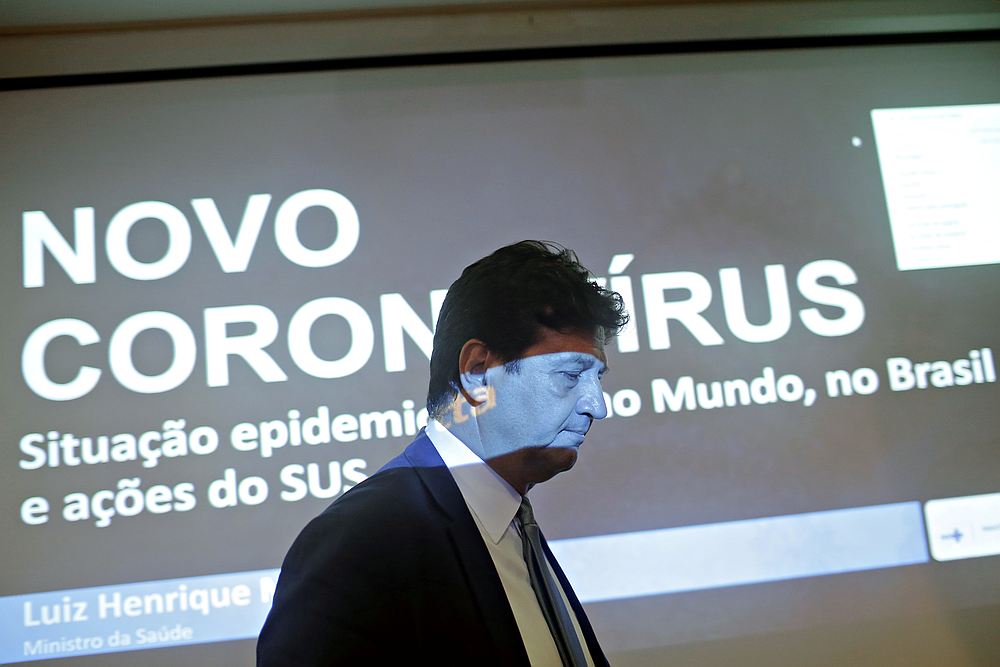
(30, 15)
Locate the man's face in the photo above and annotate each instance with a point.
(539, 414)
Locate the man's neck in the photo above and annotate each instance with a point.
(508, 466)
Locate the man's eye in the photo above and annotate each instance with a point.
(571, 375)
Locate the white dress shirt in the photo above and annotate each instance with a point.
(494, 504)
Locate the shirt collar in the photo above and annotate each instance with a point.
(491, 499)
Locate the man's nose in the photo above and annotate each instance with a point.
(591, 402)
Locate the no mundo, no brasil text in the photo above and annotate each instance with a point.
(768, 388)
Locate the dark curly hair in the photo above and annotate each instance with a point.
(506, 298)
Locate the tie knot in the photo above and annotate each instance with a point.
(524, 513)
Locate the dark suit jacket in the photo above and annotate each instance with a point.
(395, 570)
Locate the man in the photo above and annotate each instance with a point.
(437, 556)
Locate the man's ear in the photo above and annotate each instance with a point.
(473, 361)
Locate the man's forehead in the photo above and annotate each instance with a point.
(551, 362)
(551, 341)
(580, 359)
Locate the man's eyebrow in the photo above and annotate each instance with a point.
(583, 358)
(569, 357)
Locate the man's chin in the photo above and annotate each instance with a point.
(559, 459)
(572, 455)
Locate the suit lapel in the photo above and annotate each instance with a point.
(480, 573)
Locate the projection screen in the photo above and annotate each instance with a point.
(219, 296)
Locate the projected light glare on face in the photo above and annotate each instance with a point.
(541, 401)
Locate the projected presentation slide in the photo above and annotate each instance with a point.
(941, 166)
(219, 298)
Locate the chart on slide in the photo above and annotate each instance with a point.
(940, 169)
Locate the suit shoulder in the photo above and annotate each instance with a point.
(387, 495)
(391, 507)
